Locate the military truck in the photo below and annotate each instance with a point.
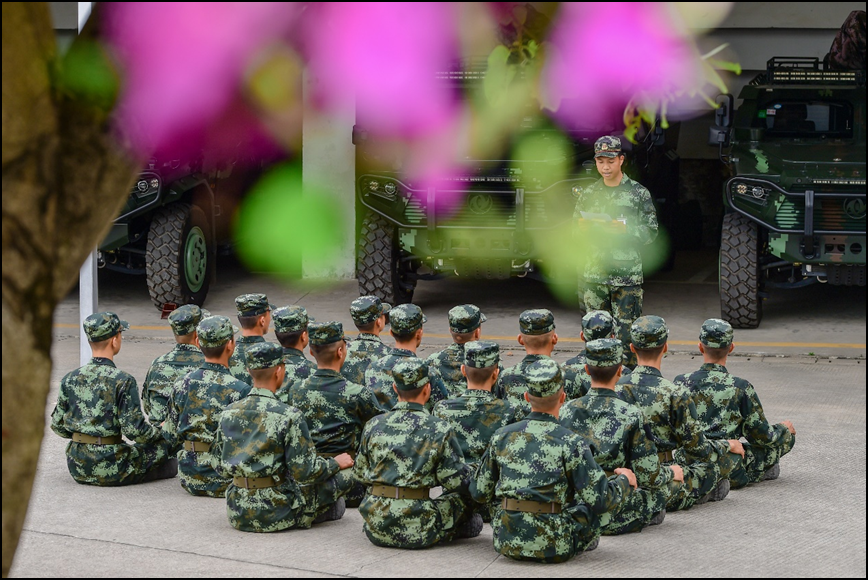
(166, 231)
(408, 231)
(795, 201)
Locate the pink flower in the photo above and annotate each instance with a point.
(603, 54)
(183, 64)
(384, 57)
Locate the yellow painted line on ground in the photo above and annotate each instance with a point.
(573, 339)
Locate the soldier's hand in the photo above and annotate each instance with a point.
(736, 447)
(344, 460)
(631, 477)
(678, 473)
(789, 425)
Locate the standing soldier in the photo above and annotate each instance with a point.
(404, 453)
(616, 431)
(97, 403)
(335, 409)
(465, 324)
(595, 324)
(254, 316)
(406, 321)
(671, 416)
(613, 273)
(168, 368)
(278, 481)
(370, 316)
(538, 337)
(195, 407)
(729, 408)
(290, 327)
(552, 497)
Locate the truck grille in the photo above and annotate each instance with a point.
(829, 214)
(497, 212)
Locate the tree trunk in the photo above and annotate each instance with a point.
(64, 180)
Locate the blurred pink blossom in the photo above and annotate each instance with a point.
(383, 57)
(183, 65)
(603, 54)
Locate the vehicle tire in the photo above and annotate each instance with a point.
(178, 261)
(379, 265)
(740, 283)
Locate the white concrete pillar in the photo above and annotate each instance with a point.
(329, 163)
(88, 289)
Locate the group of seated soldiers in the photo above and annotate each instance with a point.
(551, 455)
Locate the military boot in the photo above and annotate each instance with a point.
(772, 472)
(593, 545)
(471, 528)
(658, 518)
(720, 492)
(335, 512)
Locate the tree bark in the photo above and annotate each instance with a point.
(64, 179)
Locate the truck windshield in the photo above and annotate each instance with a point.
(803, 118)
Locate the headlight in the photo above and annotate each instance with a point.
(155, 183)
(374, 185)
(752, 192)
(390, 188)
(142, 186)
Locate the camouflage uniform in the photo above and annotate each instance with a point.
(263, 445)
(298, 367)
(168, 368)
(513, 381)
(366, 347)
(613, 271)
(595, 324)
(615, 431)
(446, 364)
(194, 410)
(729, 408)
(404, 319)
(537, 460)
(671, 416)
(403, 454)
(100, 401)
(335, 409)
(247, 305)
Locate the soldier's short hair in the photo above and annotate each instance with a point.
(248, 322)
(462, 337)
(537, 340)
(716, 354)
(544, 402)
(324, 351)
(369, 327)
(478, 375)
(403, 337)
(412, 394)
(602, 374)
(649, 352)
(212, 351)
(262, 374)
(289, 339)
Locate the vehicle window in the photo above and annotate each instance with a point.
(806, 119)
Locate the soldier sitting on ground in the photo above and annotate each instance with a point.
(406, 321)
(595, 324)
(729, 408)
(167, 369)
(263, 445)
(254, 316)
(465, 324)
(335, 409)
(195, 407)
(370, 316)
(96, 404)
(615, 431)
(403, 454)
(290, 327)
(538, 337)
(671, 416)
(551, 495)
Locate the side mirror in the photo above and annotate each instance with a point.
(723, 114)
(658, 137)
(718, 136)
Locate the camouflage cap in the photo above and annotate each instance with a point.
(539, 321)
(323, 333)
(252, 304)
(290, 318)
(263, 355)
(481, 354)
(544, 378)
(649, 332)
(410, 373)
(366, 309)
(604, 352)
(607, 146)
(215, 331)
(103, 326)
(716, 333)
(597, 324)
(184, 319)
(406, 318)
(465, 318)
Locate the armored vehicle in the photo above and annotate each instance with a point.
(166, 231)
(795, 201)
(491, 221)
